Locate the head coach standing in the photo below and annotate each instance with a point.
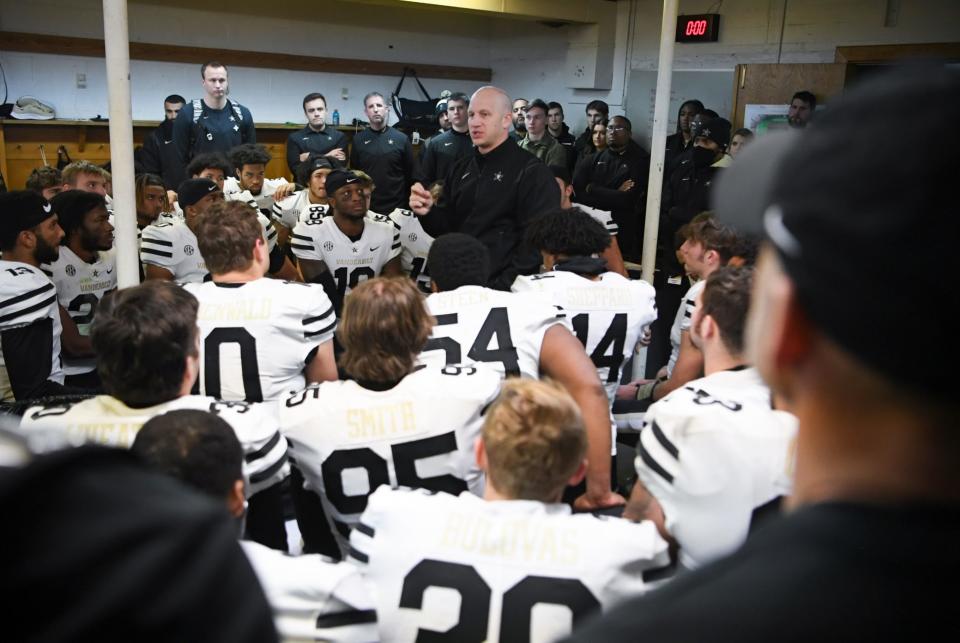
(493, 193)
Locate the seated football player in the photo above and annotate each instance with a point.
(609, 313)
(714, 458)
(215, 167)
(168, 249)
(518, 336)
(83, 273)
(306, 204)
(146, 342)
(515, 565)
(151, 199)
(342, 250)
(391, 423)
(312, 598)
(612, 252)
(259, 338)
(708, 246)
(414, 241)
(249, 185)
(30, 328)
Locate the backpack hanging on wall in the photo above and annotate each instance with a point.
(413, 114)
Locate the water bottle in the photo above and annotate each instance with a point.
(336, 117)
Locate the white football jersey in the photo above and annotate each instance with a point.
(297, 207)
(265, 201)
(173, 247)
(682, 322)
(28, 296)
(350, 262)
(608, 315)
(603, 217)
(348, 440)
(414, 244)
(712, 453)
(312, 597)
(108, 421)
(503, 329)
(80, 287)
(256, 337)
(466, 569)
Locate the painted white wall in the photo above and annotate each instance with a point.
(527, 58)
(813, 29)
(274, 96)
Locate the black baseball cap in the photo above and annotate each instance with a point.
(864, 224)
(714, 129)
(339, 178)
(21, 210)
(192, 190)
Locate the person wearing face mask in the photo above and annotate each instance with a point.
(687, 192)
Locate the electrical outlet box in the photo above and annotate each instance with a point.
(345, 93)
(81, 81)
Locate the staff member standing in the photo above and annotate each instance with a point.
(386, 155)
(213, 123)
(316, 139)
(493, 193)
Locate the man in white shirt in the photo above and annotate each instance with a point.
(169, 249)
(521, 566)
(518, 337)
(393, 423)
(342, 250)
(609, 313)
(146, 341)
(30, 326)
(83, 273)
(249, 184)
(259, 338)
(312, 597)
(714, 457)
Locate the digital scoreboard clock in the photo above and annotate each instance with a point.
(703, 27)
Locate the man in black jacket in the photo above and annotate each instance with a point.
(616, 180)
(493, 193)
(445, 148)
(385, 154)
(596, 111)
(559, 130)
(158, 154)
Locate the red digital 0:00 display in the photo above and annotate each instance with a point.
(704, 27)
(696, 28)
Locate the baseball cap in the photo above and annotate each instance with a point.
(320, 163)
(714, 129)
(864, 226)
(339, 178)
(441, 107)
(192, 190)
(21, 210)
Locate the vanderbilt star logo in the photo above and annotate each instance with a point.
(232, 120)
(236, 128)
(354, 249)
(498, 177)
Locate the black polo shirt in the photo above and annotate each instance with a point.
(314, 142)
(441, 153)
(387, 156)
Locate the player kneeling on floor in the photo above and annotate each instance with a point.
(522, 567)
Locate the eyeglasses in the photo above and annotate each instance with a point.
(616, 128)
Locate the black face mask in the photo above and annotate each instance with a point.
(702, 157)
